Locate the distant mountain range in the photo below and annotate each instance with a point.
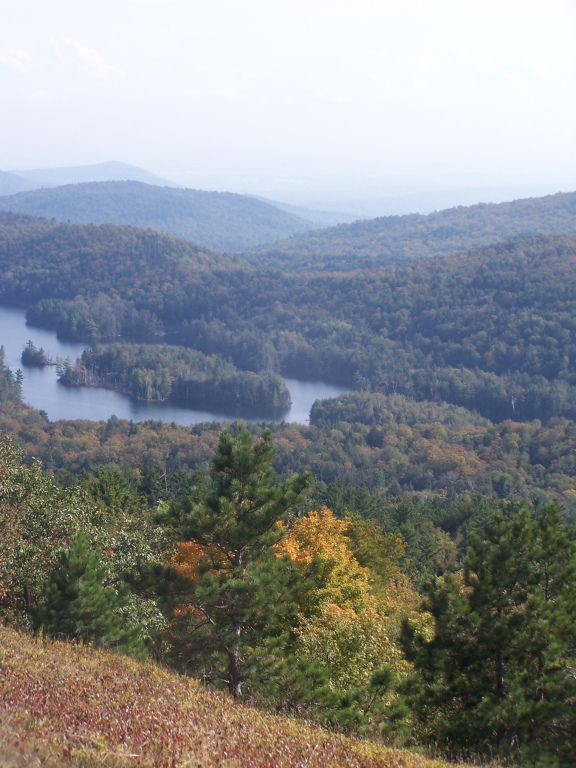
(271, 232)
(222, 221)
(13, 182)
(55, 177)
(400, 239)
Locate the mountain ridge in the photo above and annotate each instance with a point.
(389, 240)
(112, 170)
(221, 221)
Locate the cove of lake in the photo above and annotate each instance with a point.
(40, 387)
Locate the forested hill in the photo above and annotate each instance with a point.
(492, 330)
(401, 239)
(219, 220)
(119, 265)
(32, 244)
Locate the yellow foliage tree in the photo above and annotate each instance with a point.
(351, 645)
(345, 627)
(318, 544)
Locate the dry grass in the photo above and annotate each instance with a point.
(65, 705)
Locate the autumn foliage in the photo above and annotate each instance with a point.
(319, 538)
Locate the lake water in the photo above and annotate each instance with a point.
(40, 387)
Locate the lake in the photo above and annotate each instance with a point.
(40, 387)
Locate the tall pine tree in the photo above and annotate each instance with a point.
(230, 593)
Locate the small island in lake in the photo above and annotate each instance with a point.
(179, 375)
(33, 356)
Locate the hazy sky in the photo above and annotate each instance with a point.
(295, 99)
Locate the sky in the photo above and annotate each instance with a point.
(317, 102)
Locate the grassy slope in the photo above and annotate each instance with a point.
(69, 705)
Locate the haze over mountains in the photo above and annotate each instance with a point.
(10, 183)
(275, 233)
(221, 221)
(400, 239)
(55, 177)
(120, 193)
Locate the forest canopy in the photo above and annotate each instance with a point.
(491, 330)
(390, 240)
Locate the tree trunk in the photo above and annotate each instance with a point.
(234, 676)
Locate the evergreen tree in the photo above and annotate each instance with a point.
(10, 385)
(76, 603)
(499, 672)
(229, 592)
(551, 627)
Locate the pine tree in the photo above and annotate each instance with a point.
(76, 604)
(499, 671)
(231, 594)
(551, 631)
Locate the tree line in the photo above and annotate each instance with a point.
(387, 240)
(405, 448)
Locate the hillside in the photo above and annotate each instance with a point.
(401, 239)
(109, 258)
(113, 261)
(218, 220)
(69, 705)
(320, 218)
(110, 171)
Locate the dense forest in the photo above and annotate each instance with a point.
(188, 575)
(400, 239)
(219, 220)
(491, 330)
(418, 536)
(413, 449)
